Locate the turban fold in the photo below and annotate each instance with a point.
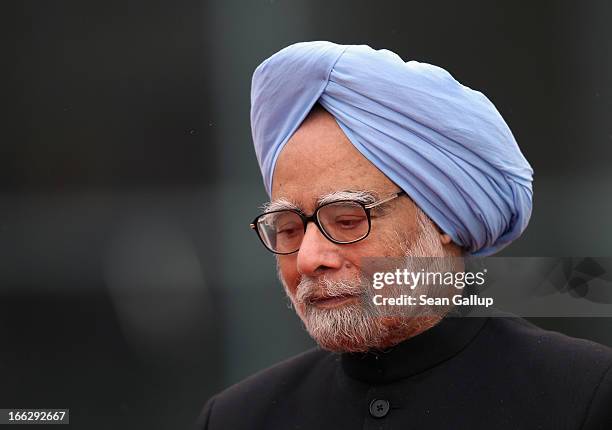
(443, 143)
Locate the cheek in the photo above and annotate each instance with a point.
(288, 269)
(379, 244)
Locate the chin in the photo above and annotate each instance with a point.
(340, 335)
(379, 334)
(342, 345)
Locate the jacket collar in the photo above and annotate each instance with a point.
(415, 355)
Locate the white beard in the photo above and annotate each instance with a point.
(361, 326)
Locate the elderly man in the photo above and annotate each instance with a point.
(365, 156)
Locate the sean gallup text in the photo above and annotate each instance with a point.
(424, 300)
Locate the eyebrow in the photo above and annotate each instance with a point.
(279, 205)
(362, 196)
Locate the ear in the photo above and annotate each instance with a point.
(445, 239)
(451, 248)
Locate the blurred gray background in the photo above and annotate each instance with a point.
(131, 288)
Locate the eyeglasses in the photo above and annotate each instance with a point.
(342, 222)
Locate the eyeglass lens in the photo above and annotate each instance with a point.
(342, 222)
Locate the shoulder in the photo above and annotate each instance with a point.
(285, 373)
(537, 344)
(551, 368)
(256, 393)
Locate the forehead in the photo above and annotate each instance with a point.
(319, 159)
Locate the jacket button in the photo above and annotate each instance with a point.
(379, 408)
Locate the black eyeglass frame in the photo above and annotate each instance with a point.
(315, 219)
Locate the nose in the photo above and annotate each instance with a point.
(317, 254)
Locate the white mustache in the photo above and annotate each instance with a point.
(310, 289)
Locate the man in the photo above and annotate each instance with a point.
(366, 156)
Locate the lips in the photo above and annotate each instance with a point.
(326, 293)
(323, 301)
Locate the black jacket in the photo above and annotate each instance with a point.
(464, 373)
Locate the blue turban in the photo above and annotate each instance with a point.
(444, 144)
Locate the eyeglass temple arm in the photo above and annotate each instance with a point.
(380, 202)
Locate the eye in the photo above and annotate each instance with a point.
(288, 229)
(348, 222)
